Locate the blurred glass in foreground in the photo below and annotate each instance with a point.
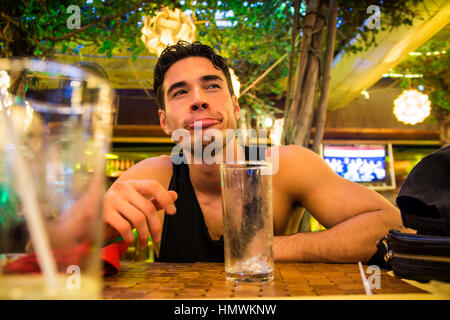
(55, 129)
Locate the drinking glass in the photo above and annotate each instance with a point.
(55, 129)
(247, 220)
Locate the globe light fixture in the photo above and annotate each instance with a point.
(412, 107)
(166, 28)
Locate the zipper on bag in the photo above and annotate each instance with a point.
(390, 254)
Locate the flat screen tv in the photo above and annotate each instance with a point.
(368, 164)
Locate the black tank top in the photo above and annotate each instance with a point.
(185, 236)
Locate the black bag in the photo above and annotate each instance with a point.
(418, 257)
(424, 203)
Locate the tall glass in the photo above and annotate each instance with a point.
(55, 128)
(247, 221)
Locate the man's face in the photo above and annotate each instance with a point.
(196, 94)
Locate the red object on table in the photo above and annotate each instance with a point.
(63, 258)
(110, 255)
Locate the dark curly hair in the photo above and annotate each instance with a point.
(181, 50)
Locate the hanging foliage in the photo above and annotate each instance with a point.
(256, 36)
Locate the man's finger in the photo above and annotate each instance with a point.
(161, 198)
(150, 212)
(119, 224)
(158, 206)
(137, 218)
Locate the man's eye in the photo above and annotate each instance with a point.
(177, 93)
(213, 86)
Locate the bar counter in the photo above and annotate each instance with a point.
(147, 280)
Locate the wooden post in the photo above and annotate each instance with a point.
(306, 108)
(295, 26)
(444, 131)
(302, 62)
(18, 81)
(329, 52)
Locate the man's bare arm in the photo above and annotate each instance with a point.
(355, 216)
(136, 199)
(346, 242)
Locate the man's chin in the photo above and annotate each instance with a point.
(204, 147)
(216, 138)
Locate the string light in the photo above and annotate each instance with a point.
(401, 75)
(411, 107)
(268, 122)
(365, 94)
(430, 53)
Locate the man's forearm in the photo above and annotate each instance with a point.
(352, 240)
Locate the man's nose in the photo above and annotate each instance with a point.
(199, 102)
(200, 106)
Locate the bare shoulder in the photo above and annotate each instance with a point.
(299, 169)
(294, 156)
(158, 168)
(290, 150)
(155, 163)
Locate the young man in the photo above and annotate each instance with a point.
(180, 206)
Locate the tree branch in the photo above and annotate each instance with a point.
(8, 18)
(264, 74)
(112, 17)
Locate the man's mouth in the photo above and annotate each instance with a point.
(203, 123)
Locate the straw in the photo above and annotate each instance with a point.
(30, 206)
(364, 280)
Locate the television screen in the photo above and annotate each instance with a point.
(364, 164)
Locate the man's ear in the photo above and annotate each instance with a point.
(236, 108)
(163, 122)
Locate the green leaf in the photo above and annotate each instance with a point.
(98, 4)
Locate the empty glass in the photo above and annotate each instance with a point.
(247, 221)
(55, 128)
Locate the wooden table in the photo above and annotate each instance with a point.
(145, 280)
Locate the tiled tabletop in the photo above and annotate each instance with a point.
(146, 280)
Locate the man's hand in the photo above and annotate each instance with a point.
(134, 204)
